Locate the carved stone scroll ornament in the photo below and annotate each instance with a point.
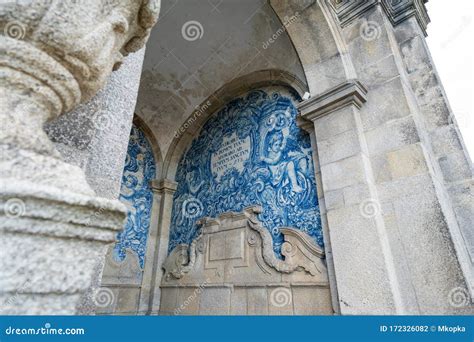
(182, 258)
(55, 54)
(299, 251)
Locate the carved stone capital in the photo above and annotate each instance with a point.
(348, 10)
(88, 38)
(396, 10)
(54, 55)
(400, 10)
(349, 93)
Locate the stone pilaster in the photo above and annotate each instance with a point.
(164, 191)
(415, 210)
(363, 261)
(451, 163)
(98, 143)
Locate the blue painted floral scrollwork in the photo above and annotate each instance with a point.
(249, 153)
(136, 194)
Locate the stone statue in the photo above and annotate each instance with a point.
(55, 54)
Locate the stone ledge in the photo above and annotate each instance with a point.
(349, 93)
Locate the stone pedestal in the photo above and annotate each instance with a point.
(53, 227)
(231, 269)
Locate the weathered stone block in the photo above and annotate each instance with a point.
(215, 301)
(407, 161)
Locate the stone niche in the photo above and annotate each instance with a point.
(230, 268)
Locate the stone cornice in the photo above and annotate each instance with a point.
(400, 10)
(349, 93)
(396, 10)
(348, 10)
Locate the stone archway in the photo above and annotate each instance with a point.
(244, 128)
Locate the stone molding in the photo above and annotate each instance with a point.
(163, 185)
(349, 93)
(396, 10)
(300, 252)
(401, 10)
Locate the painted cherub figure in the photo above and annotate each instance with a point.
(281, 164)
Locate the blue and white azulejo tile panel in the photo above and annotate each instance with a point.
(136, 194)
(250, 152)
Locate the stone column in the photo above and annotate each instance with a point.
(454, 173)
(363, 261)
(415, 209)
(95, 135)
(53, 227)
(164, 190)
